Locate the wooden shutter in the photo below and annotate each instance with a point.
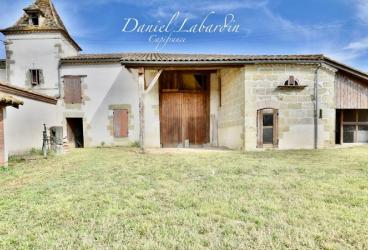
(259, 129)
(276, 128)
(72, 90)
(121, 123)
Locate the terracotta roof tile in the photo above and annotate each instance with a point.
(127, 58)
(8, 100)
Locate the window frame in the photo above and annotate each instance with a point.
(261, 127)
(356, 124)
(35, 79)
(116, 133)
(34, 17)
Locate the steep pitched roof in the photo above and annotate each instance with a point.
(51, 21)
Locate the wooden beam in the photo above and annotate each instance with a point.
(342, 127)
(153, 82)
(218, 73)
(141, 81)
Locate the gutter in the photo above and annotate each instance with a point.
(316, 105)
(59, 80)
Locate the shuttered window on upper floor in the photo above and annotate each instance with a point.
(72, 90)
(35, 77)
(120, 123)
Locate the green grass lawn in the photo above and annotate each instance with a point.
(115, 198)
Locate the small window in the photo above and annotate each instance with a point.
(34, 19)
(267, 128)
(120, 123)
(35, 77)
(291, 81)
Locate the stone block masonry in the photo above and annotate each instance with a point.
(296, 106)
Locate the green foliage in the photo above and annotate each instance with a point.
(135, 144)
(116, 198)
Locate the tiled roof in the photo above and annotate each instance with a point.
(8, 100)
(93, 58)
(208, 58)
(52, 21)
(164, 58)
(2, 63)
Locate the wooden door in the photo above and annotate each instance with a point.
(184, 116)
(170, 118)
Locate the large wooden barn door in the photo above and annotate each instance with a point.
(184, 116)
(170, 109)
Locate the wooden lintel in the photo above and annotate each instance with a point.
(153, 82)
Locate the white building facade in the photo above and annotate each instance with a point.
(174, 100)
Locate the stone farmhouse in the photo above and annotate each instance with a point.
(172, 100)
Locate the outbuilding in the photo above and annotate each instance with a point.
(11, 97)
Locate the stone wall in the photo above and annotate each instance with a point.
(296, 106)
(231, 112)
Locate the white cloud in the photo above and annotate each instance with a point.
(362, 10)
(359, 45)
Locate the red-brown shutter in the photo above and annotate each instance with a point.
(121, 123)
(72, 90)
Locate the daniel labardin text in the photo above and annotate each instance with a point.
(186, 25)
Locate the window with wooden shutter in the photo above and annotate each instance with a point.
(35, 76)
(267, 128)
(120, 123)
(72, 90)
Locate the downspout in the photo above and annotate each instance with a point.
(316, 105)
(59, 80)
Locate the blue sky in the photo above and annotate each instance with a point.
(337, 28)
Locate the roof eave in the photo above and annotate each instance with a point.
(211, 63)
(10, 31)
(346, 68)
(13, 90)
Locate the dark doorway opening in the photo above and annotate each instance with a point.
(338, 127)
(75, 132)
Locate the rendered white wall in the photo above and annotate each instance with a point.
(37, 51)
(2, 75)
(24, 126)
(103, 86)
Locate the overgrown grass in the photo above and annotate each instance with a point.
(119, 199)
